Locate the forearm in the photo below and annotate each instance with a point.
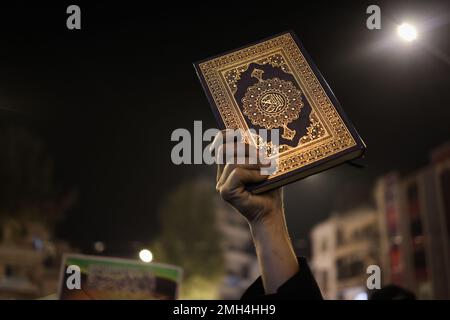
(276, 256)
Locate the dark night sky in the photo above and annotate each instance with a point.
(107, 98)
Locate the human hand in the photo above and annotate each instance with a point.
(233, 176)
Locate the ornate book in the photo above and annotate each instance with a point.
(274, 84)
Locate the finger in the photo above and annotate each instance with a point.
(219, 161)
(220, 168)
(239, 177)
(229, 167)
(222, 137)
(222, 159)
(226, 152)
(225, 137)
(238, 153)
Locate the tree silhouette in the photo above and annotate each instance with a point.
(190, 237)
(27, 189)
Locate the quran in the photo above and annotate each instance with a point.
(273, 84)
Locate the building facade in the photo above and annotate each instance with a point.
(30, 260)
(343, 247)
(241, 267)
(415, 227)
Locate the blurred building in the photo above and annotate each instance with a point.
(30, 203)
(241, 267)
(343, 247)
(29, 260)
(415, 227)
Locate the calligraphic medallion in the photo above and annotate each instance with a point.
(272, 103)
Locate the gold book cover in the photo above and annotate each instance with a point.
(273, 84)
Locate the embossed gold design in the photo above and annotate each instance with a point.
(272, 103)
(234, 75)
(275, 60)
(336, 137)
(314, 131)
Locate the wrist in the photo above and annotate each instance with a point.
(274, 249)
(269, 225)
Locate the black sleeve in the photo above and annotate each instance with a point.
(302, 286)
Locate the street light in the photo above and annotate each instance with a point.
(407, 32)
(99, 246)
(146, 255)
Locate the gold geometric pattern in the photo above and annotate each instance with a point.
(234, 75)
(314, 131)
